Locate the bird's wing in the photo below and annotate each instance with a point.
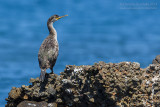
(48, 49)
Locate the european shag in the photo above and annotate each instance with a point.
(49, 48)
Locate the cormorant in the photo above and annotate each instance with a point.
(48, 51)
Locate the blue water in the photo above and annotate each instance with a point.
(96, 30)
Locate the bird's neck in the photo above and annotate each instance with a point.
(52, 30)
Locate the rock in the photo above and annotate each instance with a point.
(32, 80)
(156, 60)
(59, 100)
(136, 65)
(36, 104)
(99, 85)
(15, 93)
(91, 100)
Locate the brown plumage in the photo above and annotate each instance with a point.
(48, 51)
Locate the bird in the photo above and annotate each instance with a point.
(48, 51)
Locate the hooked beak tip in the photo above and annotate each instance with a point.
(61, 17)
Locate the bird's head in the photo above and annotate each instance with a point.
(55, 18)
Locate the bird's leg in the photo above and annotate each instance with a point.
(42, 75)
(51, 70)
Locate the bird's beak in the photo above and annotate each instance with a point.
(61, 17)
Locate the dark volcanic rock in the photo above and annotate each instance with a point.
(100, 85)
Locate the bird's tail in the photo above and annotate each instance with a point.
(42, 75)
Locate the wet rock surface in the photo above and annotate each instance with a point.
(99, 85)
